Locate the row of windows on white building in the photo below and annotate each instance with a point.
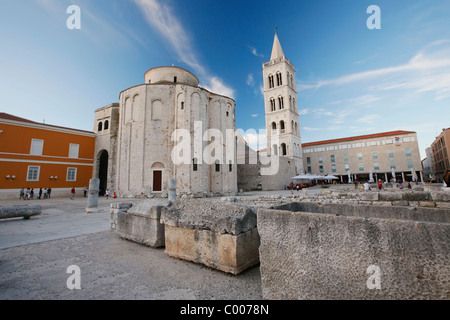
(279, 80)
(273, 103)
(282, 127)
(283, 149)
(376, 165)
(359, 145)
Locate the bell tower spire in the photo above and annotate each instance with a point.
(277, 51)
(281, 108)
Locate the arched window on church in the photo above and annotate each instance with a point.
(292, 127)
(290, 103)
(272, 104)
(283, 149)
(281, 102)
(279, 79)
(274, 126)
(100, 126)
(292, 82)
(282, 126)
(271, 83)
(106, 127)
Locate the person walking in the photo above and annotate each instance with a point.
(107, 194)
(45, 193)
(380, 185)
(49, 191)
(72, 196)
(85, 191)
(22, 194)
(40, 194)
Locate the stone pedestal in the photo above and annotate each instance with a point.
(94, 186)
(172, 190)
(141, 224)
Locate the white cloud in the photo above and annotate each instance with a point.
(256, 141)
(304, 112)
(369, 119)
(216, 85)
(250, 80)
(160, 16)
(255, 52)
(254, 115)
(427, 71)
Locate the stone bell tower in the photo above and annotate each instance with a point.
(281, 107)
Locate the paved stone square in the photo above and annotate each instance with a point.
(35, 255)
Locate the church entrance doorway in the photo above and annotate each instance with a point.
(157, 180)
(103, 172)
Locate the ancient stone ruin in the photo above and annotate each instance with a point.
(327, 245)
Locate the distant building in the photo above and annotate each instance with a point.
(440, 149)
(38, 155)
(356, 157)
(428, 166)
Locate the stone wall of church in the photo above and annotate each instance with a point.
(160, 123)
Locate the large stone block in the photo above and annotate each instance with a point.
(323, 256)
(141, 224)
(224, 252)
(218, 234)
(20, 212)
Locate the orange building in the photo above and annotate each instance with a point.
(36, 155)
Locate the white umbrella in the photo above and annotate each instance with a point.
(413, 174)
(393, 175)
(371, 176)
(349, 177)
(331, 177)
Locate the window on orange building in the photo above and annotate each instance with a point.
(33, 173)
(74, 150)
(37, 146)
(71, 174)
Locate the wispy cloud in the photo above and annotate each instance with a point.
(255, 52)
(369, 119)
(255, 115)
(427, 71)
(250, 80)
(161, 17)
(366, 59)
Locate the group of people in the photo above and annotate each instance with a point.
(30, 194)
(85, 190)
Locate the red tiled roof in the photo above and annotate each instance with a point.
(369, 136)
(11, 117)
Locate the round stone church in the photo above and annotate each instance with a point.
(164, 129)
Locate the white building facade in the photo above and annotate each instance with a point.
(354, 158)
(168, 128)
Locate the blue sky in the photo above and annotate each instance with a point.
(350, 80)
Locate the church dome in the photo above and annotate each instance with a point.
(170, 75)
